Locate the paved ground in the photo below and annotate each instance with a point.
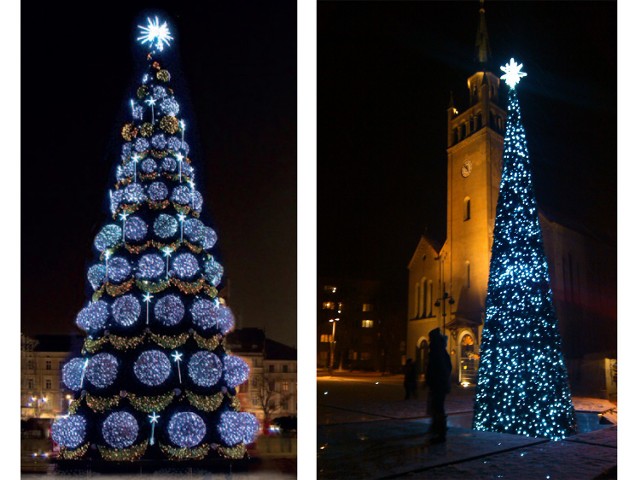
(366, 430)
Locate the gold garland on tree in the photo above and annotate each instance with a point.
(123, 454)
(75, 454)
(152, 287)
(207, 343)
(184, 453)
(117, 290)
(150, 404)
(206, 403)
(169, 341)
(235, 453)
(100, 404)
(125, 343)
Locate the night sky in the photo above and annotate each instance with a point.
(235, 67)
(385, 72)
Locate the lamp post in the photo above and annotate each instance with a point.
(332, 345)
(446, 298)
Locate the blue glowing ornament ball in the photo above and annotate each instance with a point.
(135, 229)
(165, 226)
(93, 317)
(186, 429)
(69, 431)
(238, 427)
(157, 192)
(109, 236)
(236, 371)
(205, 368)
(118, 270)
(185, 266)
(72, 373)
(96, 275)
(102, 370)
(169, 310)
(150, 266)
(152, 368)
(213, 272)
(126, 310)
(120, 429)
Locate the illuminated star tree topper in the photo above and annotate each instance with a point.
(157, 35)
(512, 73)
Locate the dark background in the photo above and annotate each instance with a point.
(235, 67)
(385, 72)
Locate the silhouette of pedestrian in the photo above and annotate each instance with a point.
(410, 380)
(439, 382)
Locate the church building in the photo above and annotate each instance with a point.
(448, 282)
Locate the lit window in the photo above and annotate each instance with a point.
(367, 307)
(330, 289)
(367, 323)
(328, 305)
(325, 338)
(285, 386)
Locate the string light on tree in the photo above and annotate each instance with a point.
(123, 216)
(183, 127)
(135, 159)
(181, 217)
(522, 379)
(167, 253)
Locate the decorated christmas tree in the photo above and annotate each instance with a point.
(154, 379)
(522, 380)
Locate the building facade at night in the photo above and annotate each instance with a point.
(448, 281)
(355, 330)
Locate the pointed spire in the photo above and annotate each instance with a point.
(482, 49)
(451, 105)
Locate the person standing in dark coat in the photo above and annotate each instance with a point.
(439, 382)
(410, 380)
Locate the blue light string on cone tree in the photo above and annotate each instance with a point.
(131, 400)
(522, 378)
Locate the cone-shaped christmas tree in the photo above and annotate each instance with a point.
(154, 379)
(522, 380)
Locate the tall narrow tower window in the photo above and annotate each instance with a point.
(467, 209)
(479, 121)
(468, 265)
(417, 303)
(423, 296)
(430, 299)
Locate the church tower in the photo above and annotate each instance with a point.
(448, 284)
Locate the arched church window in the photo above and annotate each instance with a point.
(467, 209)
(417, 301)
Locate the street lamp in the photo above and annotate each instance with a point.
(332, 345)
(445, 298)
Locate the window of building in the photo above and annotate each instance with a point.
(30, 384)
(325, 338)
(468, 274)
(423, 297)
(285, 368)
(365, 356)
(285, 386)
(330, 288)
(367, 323)
(328, 305)
(30, 365)
(367, 307)
(430, 298)
(417, 305)
(47, 384)
(467, 209)
(354, 355)
(255, 401)
(272, 368)
(47, 365)
(284, 404)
